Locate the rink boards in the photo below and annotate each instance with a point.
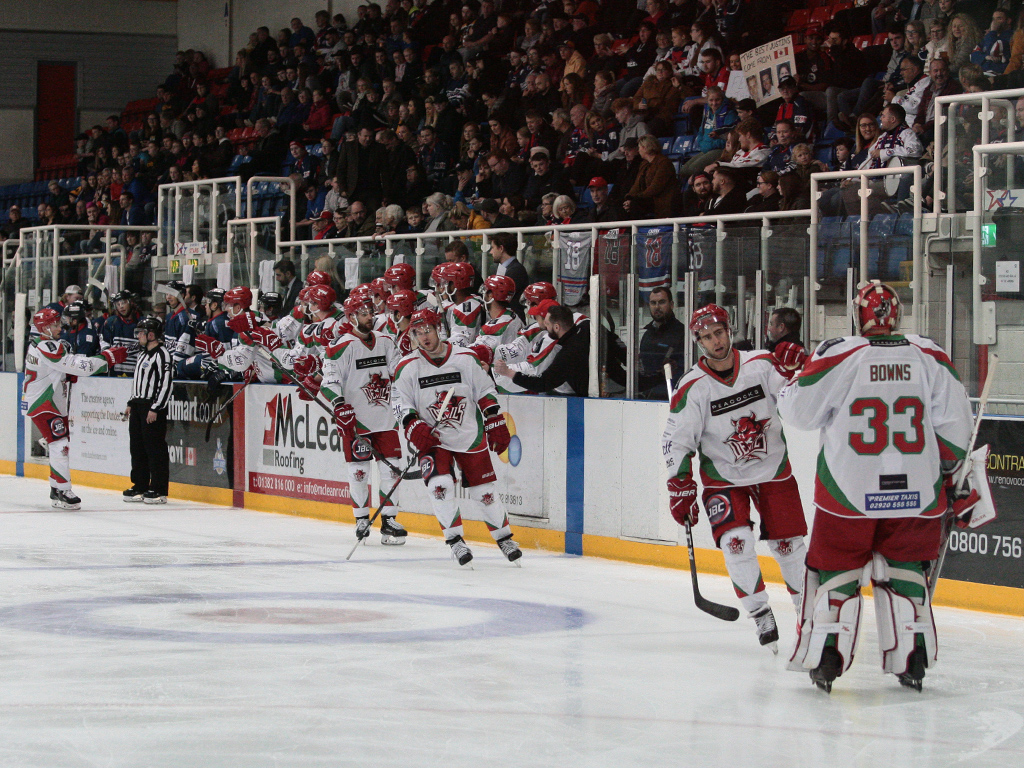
(583, 476)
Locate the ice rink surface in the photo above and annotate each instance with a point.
(188, 635)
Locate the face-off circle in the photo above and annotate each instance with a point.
(83, 617)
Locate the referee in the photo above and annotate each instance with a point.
(147, 415)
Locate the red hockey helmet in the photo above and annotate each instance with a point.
(501, 287)
(356, 302)
(424, 317)
(240, 296)
(878, 309)
(320, 297)
(318, 277)
(436, 275)
(458, 273)
(535, 293)
(707, 316)
(44, 318)
(380, 288)
(402, 302)
(400, 276)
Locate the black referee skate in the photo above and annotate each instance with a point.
(67, 500)
(460, 552)
(767, 631)
(828, 669)
(391, 531)
(510, 550)
(914, 676)
(133, 495)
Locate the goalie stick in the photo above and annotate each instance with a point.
(719, 611)
(387, 498)
(965, 470)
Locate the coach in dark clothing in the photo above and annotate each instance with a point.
(664, 341)
(783, 325)
(361, 169)
(571, 365)
(268, 153)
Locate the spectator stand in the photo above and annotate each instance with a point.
(8, 303)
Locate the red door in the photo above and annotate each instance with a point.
(55, 110)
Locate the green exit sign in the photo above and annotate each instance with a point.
(988, 235)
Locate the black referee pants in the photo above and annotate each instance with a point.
(148, 445)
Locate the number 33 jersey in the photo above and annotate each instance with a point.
(892, 412)
(734, 423)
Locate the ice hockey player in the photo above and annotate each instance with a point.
(471, 423)
(895, 424)
(725, 407)
(269, 305)
(501, 325)
(119, 331)
(49, 368)
(178, 317)
(204, 342)
(356, 380)
(402, 277)
(401, 305)
(77, 330)
(464, 314)
(246, 354)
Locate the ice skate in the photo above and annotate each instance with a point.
(828, 669)
(510, 550)
(391, 531)
(68, 500)
(460, 552)
(767, 631)
(133, 494)
(362, 528)
(914, 675)
(152, 497)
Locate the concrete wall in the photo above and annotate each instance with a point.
(154, 17)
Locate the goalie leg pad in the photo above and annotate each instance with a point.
(741, 561)
(903, 612)
(442, 498)
(827, 611)
(493, 509)
(790, 554)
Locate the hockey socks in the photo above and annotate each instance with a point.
(494, 514)
(60, 464)
(790, 554)
(741, 561)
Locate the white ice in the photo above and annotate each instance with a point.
(189, 635)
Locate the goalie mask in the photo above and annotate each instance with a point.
(878, 309)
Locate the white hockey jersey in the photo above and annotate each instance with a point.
(463, 321)
(360, 371)
(503, 329)
(48, 363)
(314, 337)
(421, 383)
(540, 352)
(733, 423)
(890, 409)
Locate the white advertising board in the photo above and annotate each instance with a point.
(99, 438)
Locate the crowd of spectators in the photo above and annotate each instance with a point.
(433, 116)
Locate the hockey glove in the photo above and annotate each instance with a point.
(243, 322)
(307, 365)
(485, 353)
(682, 499)
(963, 501)
(114, 355)
(209, 345)
(266, 338)
(421, 436)
(308, 388)
(345, 418)
(789, 358)
(297, 313)
(251, 374)
(496, 430)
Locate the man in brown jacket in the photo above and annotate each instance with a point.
(653, 194)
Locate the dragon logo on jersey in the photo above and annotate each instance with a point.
(749, 440)
(452, 415)
(377, 390)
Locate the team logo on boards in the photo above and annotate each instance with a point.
(377, 390)
(749, 440)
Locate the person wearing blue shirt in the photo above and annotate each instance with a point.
(993, 53)
(119, 331)
(77, 331)
(719, 118)
(178, 316)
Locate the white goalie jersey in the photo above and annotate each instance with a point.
(733, 423)
(892, 412)
(421, 384)
(360, 371)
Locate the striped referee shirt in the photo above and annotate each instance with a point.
(153, 376)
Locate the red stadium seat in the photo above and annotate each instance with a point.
(880, 39)
(821, 16)
(862, 41)
(218, 75)
(798, 19)
(841, 6)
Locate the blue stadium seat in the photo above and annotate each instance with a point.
(681, 146)
(666, 144)
(316, 150)
(846, 251)
(899, 248)
(828, 235)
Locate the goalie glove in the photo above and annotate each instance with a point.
(420, 435)
(789, 358)
(307, 365)
(308, 388)
(209, 345)
(114, 355)
(345, 418)
(496, 429)
(682, 500)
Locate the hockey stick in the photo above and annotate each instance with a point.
(947, 518)
(267, 357)
(219, 411)
(387, 498)
(719, 611)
